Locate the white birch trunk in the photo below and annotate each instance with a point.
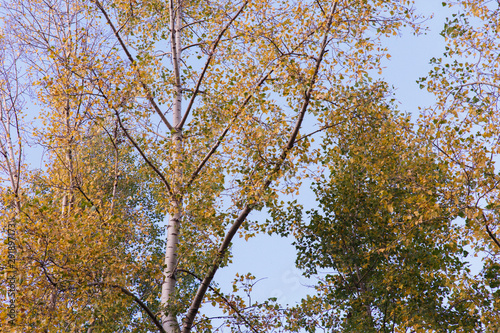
(169, 320)
(67, 200)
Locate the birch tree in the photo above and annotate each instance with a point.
(213, 98)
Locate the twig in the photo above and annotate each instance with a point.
(236, 310)
(207, 64)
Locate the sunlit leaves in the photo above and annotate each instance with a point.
(106, 80)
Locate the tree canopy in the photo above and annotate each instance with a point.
(165, 126)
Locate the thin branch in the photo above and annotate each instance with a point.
(477, 83)
(54, 284)
(191, 23)
(142, 305)
(136, 299)
(320, 7)
(131, 59)
(235, 309)
(146, 159)
(129, 137)
(226, 130)
(491, 234)
(79, 188)
(202, 289)
(307, 95)
(322, 128)
(207, 64)
(192, 45)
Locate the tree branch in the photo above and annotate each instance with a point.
(155, 169)
(132, 61)
(477, 83)
(207, 64)
(79, 188)
(192, 23)
(136, 146)
(202, 289)
(142, 305)
(236, 310)
(491, 234)
(136, 299)
(322, 128)
(225, 131)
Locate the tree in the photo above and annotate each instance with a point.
(11, 151)
(82, 236)
(464, 128)
(382, 242)
(238, 80)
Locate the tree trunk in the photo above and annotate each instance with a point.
(169, 319)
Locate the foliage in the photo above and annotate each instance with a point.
(166, 124)
(382, 242)
(463, 127)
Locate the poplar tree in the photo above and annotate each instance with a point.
(382, 242)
